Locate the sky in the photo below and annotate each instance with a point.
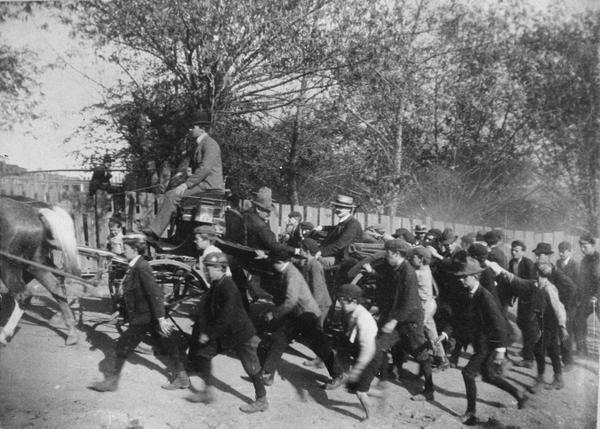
(75, 81)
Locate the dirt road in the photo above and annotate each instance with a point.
(43, 385)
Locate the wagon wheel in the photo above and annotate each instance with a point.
(178, 281)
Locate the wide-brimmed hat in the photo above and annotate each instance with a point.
(448, 236)
(471, 267)
(264, 199)
(543, 249)
(200, 118)
(343, 201)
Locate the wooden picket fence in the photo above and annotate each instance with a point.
(91, 214)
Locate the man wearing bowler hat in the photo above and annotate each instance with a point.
(207, 173)
(489, 341)
(347, 231)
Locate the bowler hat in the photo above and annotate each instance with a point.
(471, 267)
(350, 291)
(543, 249)
(420, 229)
(343, 201)
(216, 259)
(206, 229)
(264, 199)
(201, 118)
(398, 245)
(478, 251)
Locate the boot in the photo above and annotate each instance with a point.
(334, 383)
(205, 396)
(539, 383)
(110, 384)
(182, 381)
(260, 404)
(557, 383)
(440, 363)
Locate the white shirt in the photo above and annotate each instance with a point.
(362, 326)
(425, 281)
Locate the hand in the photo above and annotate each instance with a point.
(374, 310)
(318, 254)
(389, 326)
(564, 334)
(442, 337)
(368, 268)
(260, 254)
(352, 377)
(203, 339)
(496, 268)
(269, 316)
(179, 190)
(165, 326)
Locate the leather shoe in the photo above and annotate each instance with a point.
(468, 419)
(109, 385)
(260, 404)
(180, 382)
(423, 396)
(334, 383)
(204, 396)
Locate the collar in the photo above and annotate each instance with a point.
(474, 291)
(566, 261)
(201, 137)
(285, 266)
(345, 218)
(134, 260)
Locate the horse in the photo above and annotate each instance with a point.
(26, 228)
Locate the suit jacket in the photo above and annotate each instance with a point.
(298, 298)
(344, 233)
(144, 299)
(497, 255)
(399, 297)
(571, 269)
(488, 324)
(206, 165)
(589, 276)
(526, 268)
(225, 319)
(258, 232)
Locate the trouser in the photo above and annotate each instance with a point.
(566, 343)
(431, 333)
(307, 325)
(407, 338)
(584, 309)
(530, 332)
(169, 206)
(548, 344)
(246, 351)
(134, 335)
(482, 362)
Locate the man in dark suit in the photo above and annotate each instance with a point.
(297, 315)
(347, 231)
(207, 173)
(144, 301)
(566, 292)
(224, 325)
(523, 267)
(490, 333)
(400, 316)
(567, 265)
